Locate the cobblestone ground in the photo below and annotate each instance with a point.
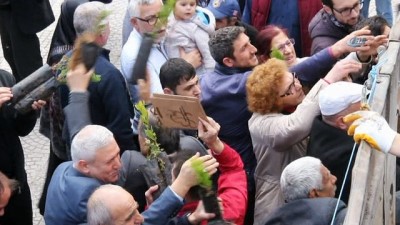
(36, 146)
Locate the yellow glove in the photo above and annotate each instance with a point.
(372, 128)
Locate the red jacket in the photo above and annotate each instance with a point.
(307, 10)
(232, 187)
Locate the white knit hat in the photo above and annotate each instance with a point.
(339, 96)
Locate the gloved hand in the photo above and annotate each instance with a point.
(372, 128)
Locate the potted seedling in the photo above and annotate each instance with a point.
(157, 170)
(207, 194)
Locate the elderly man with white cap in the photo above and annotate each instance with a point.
(328, 138)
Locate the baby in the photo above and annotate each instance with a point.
(190, 27)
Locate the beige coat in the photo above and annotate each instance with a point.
(278, 140)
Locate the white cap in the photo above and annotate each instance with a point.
(339, 96)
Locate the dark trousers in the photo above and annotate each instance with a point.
(19, 208)
(21, 50)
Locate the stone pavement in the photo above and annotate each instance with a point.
(36, 146)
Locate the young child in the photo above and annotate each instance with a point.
(190, 27)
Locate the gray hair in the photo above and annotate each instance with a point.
(221, 43)
(300, 177)
(133, 6)
(87, 17)
(97, 211)
(88, 141)
(7, 182)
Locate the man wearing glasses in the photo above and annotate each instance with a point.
(145, 19)
(333, 22)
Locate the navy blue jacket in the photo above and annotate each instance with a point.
(223, 96)
(109, 102)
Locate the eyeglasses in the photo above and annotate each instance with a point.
(289, 42)
(347, 11)
(153, 20)
(289, 91)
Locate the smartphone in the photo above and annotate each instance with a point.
(357, 41)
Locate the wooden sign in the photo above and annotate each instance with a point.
(177, 111)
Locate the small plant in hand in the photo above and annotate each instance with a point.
(203, 177)
(151, 137)
(207, 194)
(157, 170)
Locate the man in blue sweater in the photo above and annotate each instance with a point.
(223, 96)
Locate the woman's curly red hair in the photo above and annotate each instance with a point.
(263, 87)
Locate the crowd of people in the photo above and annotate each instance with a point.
(280, 91)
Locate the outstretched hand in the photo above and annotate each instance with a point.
(208, 133)
(372, 128)
(342, 69)
(187, 177)
(200, 214)
(342, 47)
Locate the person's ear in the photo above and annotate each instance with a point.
(228, 62)
(341, 124)
(262, 59)
(313, 193)
(327, 9)
(232, 21)
(168, 91)
(83, 167)
(134, 23)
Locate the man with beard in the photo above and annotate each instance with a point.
(333, 22)
(223, 96)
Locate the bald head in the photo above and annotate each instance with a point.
(111, 204)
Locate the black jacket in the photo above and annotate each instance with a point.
(12, 126)
(333, 147)
(310, 211)
(32, 16)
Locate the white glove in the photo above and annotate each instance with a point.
(372, 128)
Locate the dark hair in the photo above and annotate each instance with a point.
(179, 159)
(264, 39)
(376, 24)
(168, 138)
(173, 71)
(221, 43)
(328, 3)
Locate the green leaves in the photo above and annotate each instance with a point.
(151, 136)
(101, 26)
(62, 67)
(166, 10)
(275, 53)
(202, 175)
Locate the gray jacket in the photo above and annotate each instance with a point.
(278, 140)
(191, 34)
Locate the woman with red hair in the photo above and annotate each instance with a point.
(281, 121)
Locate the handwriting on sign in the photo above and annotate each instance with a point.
(177, 111)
